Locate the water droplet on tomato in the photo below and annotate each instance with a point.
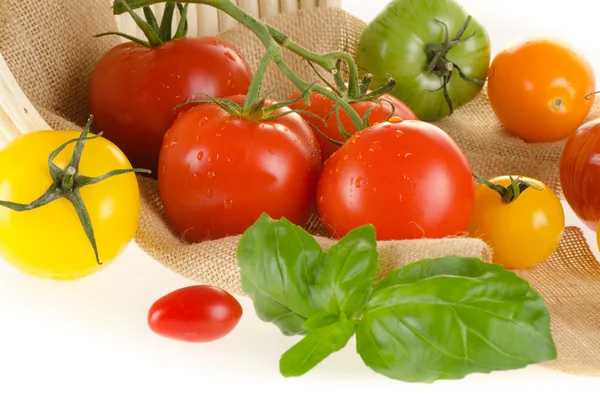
(407, 155)
(215, 42)
(354, 139)
(376, 145)
(337, 169)
(208, 192)
(359, 182)
(228, 204)
(200, 156)
(271, 151)
(346, 157)
(229, 56)
(321, 199)
(217, 155)
(359, 157)
(228, 159)
(218, 134)
(210, 174)
(351, 181)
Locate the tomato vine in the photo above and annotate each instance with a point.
(274, 42)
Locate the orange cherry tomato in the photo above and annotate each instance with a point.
(540, 90)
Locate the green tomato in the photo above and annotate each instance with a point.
(438, 55)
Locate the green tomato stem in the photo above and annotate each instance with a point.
(274, 41)
(326, 61)
(68, 179)
(512, 192)
(166, 24)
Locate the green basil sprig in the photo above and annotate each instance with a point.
(434, 319)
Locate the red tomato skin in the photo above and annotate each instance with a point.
(580, 173)
(134, 90)
(195, 314)
(410, 180)
(321, 106)
(218, 173)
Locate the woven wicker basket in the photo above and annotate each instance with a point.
(207, 21)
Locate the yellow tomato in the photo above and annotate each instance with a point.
(521, 233)
(50, 241)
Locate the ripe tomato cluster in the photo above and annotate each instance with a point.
(188, 110)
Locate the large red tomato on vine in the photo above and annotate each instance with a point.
(220, 170)
(383, 109)
(409, 180)
(136, 86)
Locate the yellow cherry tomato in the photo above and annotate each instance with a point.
(522, 233)
(50, 241)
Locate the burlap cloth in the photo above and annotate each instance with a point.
(50, 49)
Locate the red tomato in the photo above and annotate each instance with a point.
(195, 314)
(410, 180)
(134, 89)
(322, 106)
(580, 173)
(218, 173)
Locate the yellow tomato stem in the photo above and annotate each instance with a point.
(52, 194)
(511, 193)
(68, 178)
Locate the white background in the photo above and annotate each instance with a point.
(90, 337)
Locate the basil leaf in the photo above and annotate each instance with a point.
(320, 320)
(276, 259)
(315, 347)
(343, 283)
(449, 317)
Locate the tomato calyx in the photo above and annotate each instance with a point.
(343, 91)
(511, 193)
(440, 65)
(68, 182)
(257, 111)
(156, 34)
